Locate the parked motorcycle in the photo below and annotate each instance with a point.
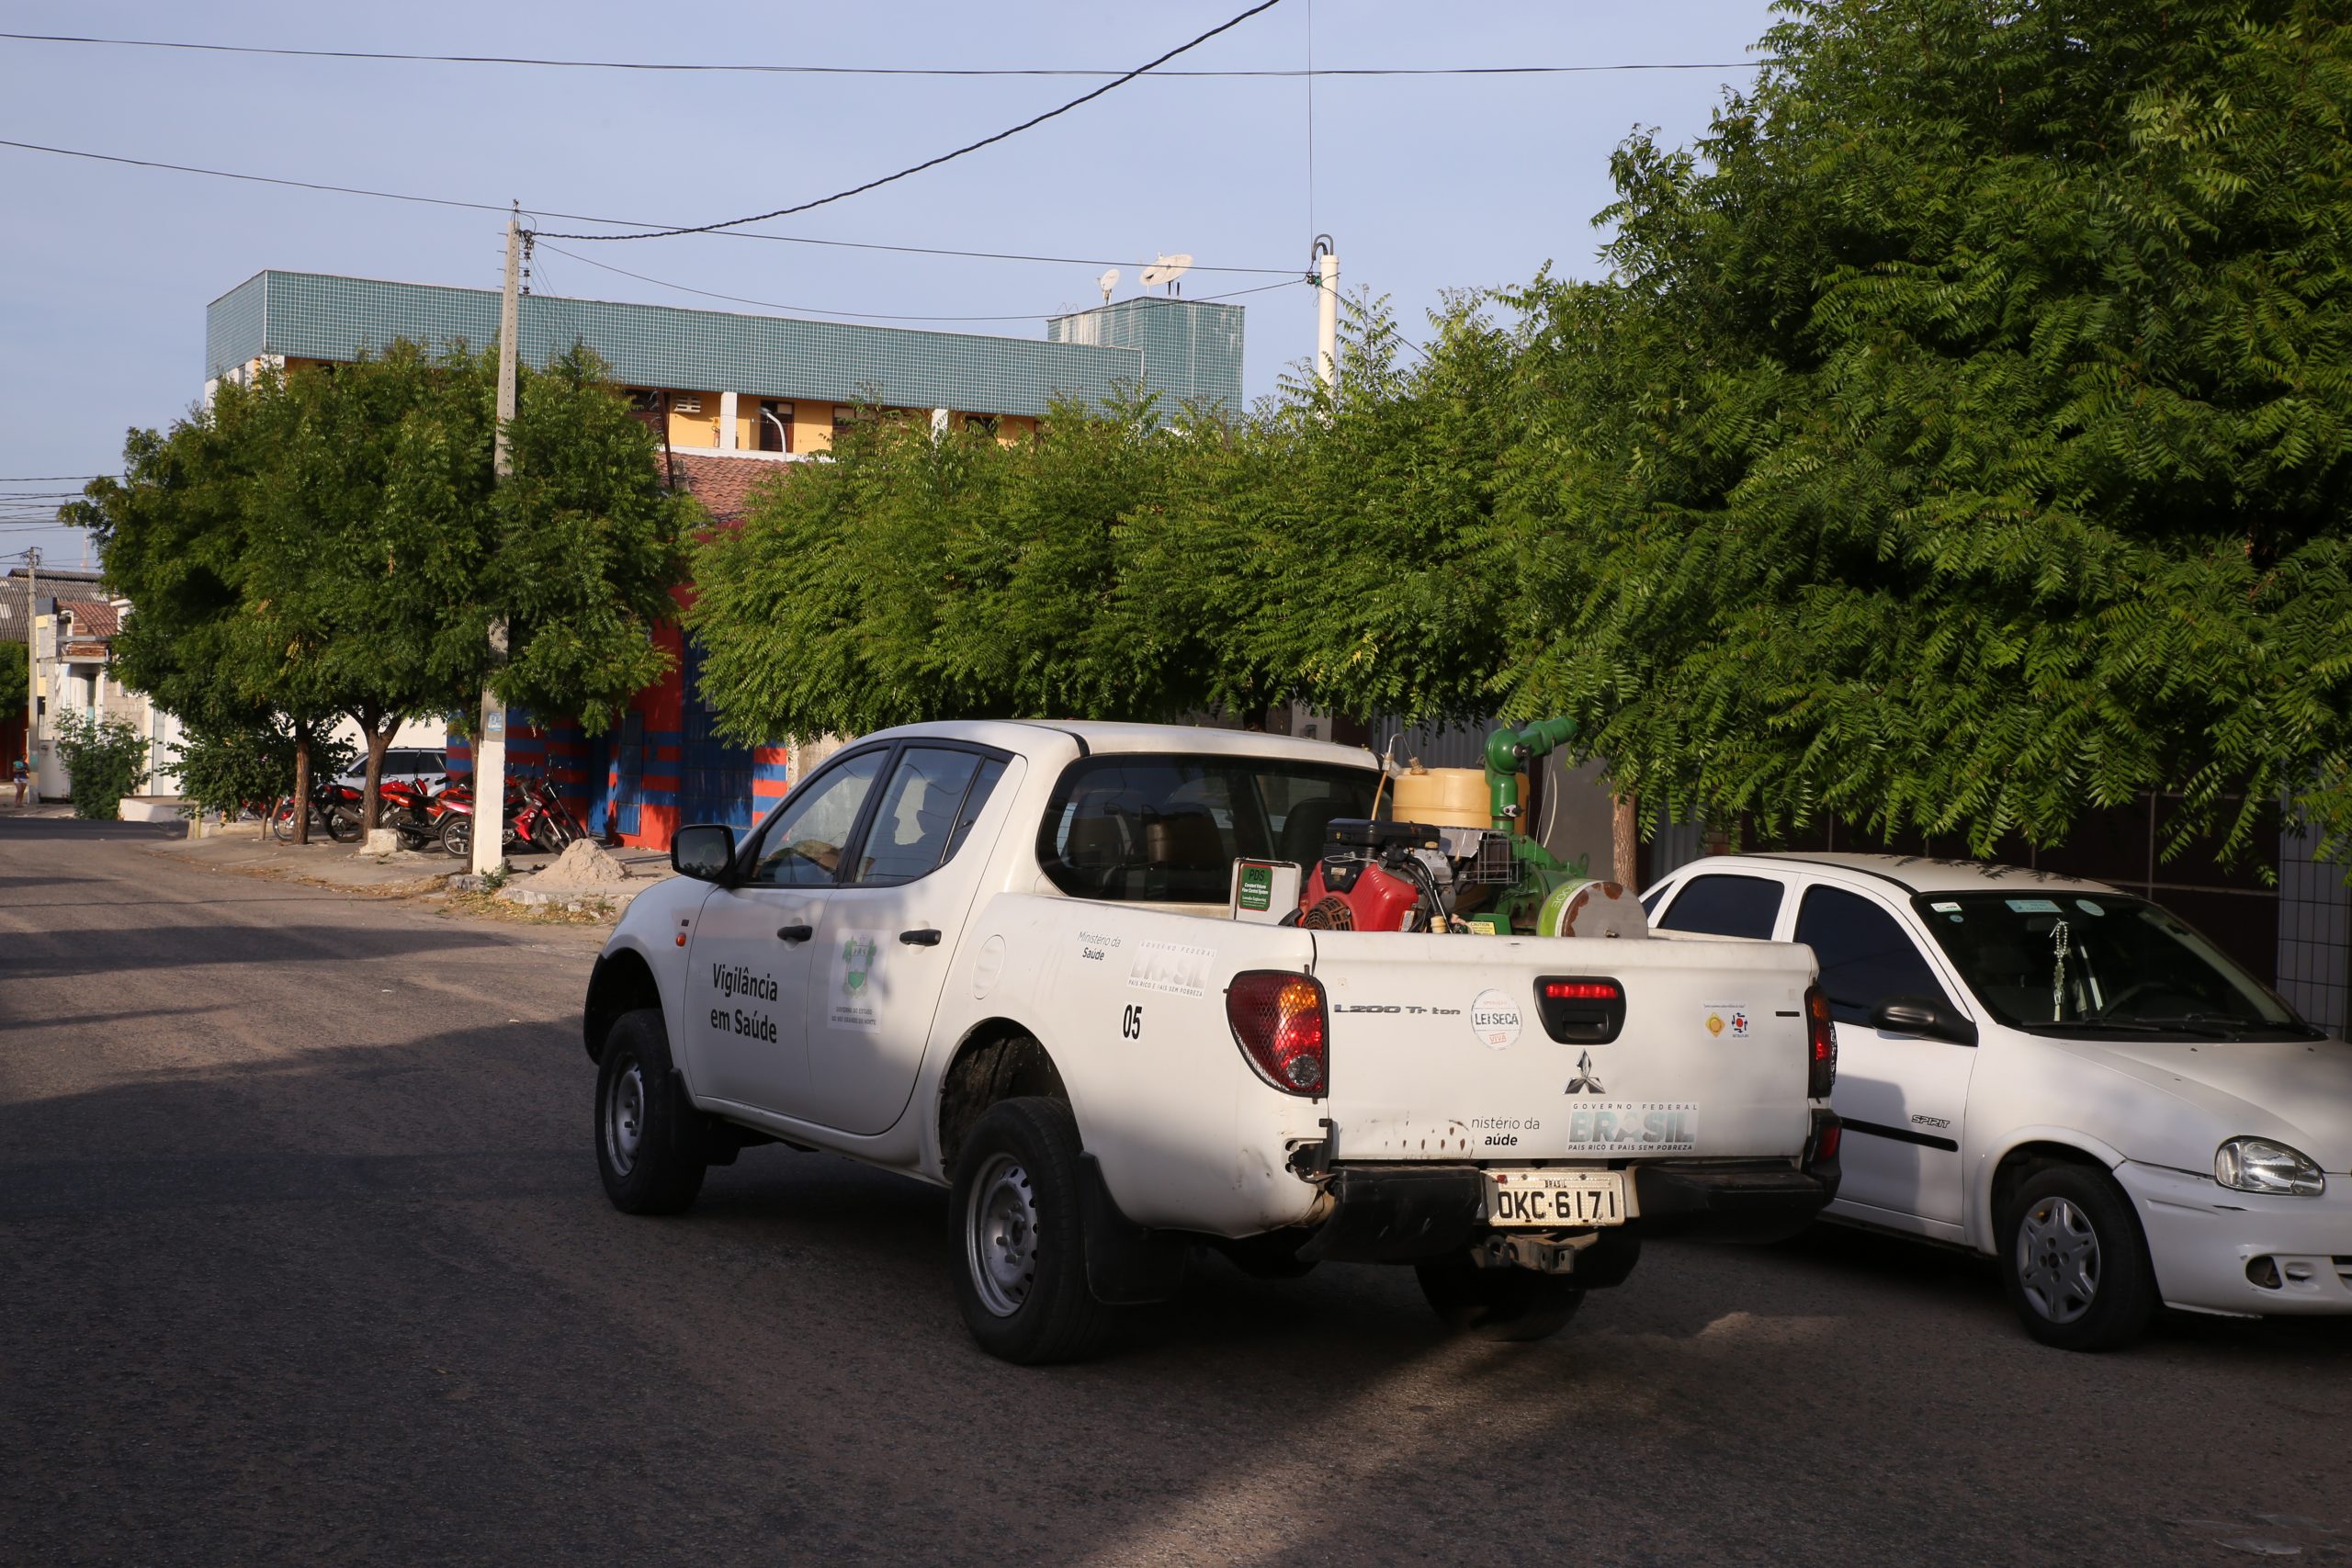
(333, 806)
(412, 809)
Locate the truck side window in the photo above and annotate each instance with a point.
(1721, 905)
(1165, 828)
(919, 821)
(1866, 956)
(801, 845)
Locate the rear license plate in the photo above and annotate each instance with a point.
(1555, 1198)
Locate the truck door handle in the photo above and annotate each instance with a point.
(925, 938)
(795, 933)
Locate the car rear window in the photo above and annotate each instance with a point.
(1166, 829)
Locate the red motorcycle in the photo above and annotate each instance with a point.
(536, 817)
(333, 806)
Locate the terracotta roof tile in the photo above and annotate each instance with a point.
(724, 485)
(92, 618)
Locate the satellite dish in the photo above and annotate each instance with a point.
(1167, 269)
(1106, 283)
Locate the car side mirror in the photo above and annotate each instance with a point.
(703, 852)
(1918, 1015)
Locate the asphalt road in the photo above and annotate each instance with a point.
(303, 1259)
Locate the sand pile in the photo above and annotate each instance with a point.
(585, 867)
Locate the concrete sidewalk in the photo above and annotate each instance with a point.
(243, 847)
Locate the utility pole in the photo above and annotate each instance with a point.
(1326, 313)
(489, 735)
(32, 668)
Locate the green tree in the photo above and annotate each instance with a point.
(15, 686)
(334, 542)
(1965, 437)
(106, 757)
(913, 577)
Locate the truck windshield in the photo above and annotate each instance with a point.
(1166, 829)
(2089, 964)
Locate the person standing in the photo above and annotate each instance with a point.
(23, 779)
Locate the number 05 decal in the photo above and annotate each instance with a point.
(1131, 1023)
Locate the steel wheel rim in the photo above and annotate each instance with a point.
(2057, 1259)
(1000, 1235)
(624, 1116)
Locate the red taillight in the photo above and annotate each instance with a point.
(1277, 1019)
(1821, 1032)
(1582, 990)
(1831, 1136)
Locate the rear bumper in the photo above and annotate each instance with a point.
(1410, 1213)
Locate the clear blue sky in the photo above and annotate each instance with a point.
(1426, 184)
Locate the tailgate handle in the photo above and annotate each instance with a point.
(924, 938)
(795, 933)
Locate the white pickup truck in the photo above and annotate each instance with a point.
(1011, 959)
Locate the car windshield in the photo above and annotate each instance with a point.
(2100, 964)
(1167, 828)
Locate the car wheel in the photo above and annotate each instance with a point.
(457, 837)
(641, 1108)
(1019, 1237)
(1499, 1303)
(2074, 1261)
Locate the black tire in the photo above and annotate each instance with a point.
(1515, 1304)
(342, 825)
(281, 822)
(2074, 1261)
(457, 837)
(1018, 1238)
(642, 1115)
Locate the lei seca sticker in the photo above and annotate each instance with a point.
(1726, 1019)
(1494, 1019)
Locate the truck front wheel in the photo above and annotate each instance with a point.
(1499, 1303)
(1019, 1237)
(641, 1108)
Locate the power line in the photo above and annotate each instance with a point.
(616, 222)
(968, 147)
(742, 68)
(52, 479)
(860, 315)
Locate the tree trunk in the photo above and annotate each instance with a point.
(301, 807)
(1624, 842)
(371, 798)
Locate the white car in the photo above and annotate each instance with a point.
(2065, 1076)
(402, 764)
(1018, 960)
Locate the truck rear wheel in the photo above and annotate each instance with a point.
(1020, 1237)
(641, 1108)
(1499, 1303)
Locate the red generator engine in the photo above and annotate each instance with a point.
(1376, 876)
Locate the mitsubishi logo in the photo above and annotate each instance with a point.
(1585, 1079)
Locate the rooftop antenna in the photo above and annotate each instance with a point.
(1167, 270)
(1106, 283)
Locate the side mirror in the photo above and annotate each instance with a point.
(1918, 1015)
(703, 852)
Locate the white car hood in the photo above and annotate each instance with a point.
(2298, 1091)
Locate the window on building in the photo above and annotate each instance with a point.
(644, 400)
(776, 426)
(985, 423)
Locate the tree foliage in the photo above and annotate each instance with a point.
(1963, 440)
(106, 759)
(335, 542)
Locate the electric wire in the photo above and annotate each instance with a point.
(737, 67)
(866, 315)
(616, 222)
(969, 147)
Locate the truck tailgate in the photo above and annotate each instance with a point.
(1440, 1049)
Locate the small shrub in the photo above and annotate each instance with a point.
(107, 760)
